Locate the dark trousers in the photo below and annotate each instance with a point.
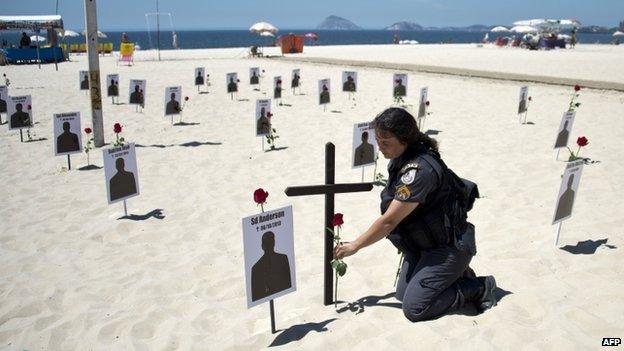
(427, 285)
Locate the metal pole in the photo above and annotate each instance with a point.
(94, 72)
(125, 208)
(558, 232)
(38, 57)
(68, 162)
(158, 30)
(272, 311)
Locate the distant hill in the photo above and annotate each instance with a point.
(405, 26)
(337, 23)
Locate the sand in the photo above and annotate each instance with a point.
(75, 276)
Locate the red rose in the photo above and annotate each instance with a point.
(279, 81)
(269, 115)
(29, 107)
(337, 220)
(88, 130)
(582, 141)
(186, 98)
(577, 87)
(238, 81)
(530, 98)
(117, 128)
(260, 196)
(427, 103)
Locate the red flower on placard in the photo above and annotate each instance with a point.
(427, 103)
(260, 196)
(117, 128)
(269, 115)
(582, 141)
(577, 87)
(29, 107)
(279, 81)
(530, 98)
(337, 220)
(88, 130)
(186, 98)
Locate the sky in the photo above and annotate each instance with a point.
(294, 14)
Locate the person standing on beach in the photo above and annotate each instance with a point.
(435, 277)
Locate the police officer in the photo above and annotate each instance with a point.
(433, 279)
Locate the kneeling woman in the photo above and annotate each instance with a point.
(434, 276)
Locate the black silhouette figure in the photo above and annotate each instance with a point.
(173, 107)
(199, 80)
(522, 106)
(3, 105)
(254, 79)
(399, 88)
(122, 184)
(422, 108)
(67, 141)
(324, 97)
(365, 153)
(20, 119)
(263, 125)
(137, 96)
(84, 84)
(295, 81)
(113, 88)
(564, 206)
(271, 274)
(349, 84)
(277, 92)
(562, 137)
(232, 87)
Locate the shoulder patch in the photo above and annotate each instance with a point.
(408, 178)
(403, 192)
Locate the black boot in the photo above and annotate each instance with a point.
(479, 291)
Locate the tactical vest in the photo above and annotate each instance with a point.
(442, 218)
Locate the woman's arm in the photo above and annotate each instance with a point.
(380, 228)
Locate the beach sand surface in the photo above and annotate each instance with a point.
(74, 276)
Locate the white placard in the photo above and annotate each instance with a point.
(269, 255)
(277, 87)
(121, 173)
(254, 76)
(565, 127)
(568, 190)
(261, 117)
(522, 103)
(364, 145)
(232, 82)
(19, 112)
(399, 84)
(199, 75)
(137, 91)
(112, 85)
(349, 81)
(324, 91)
(83, 81)
(295, 78)
(4, 96)
(173, 100)
(67, 133)
(422, 106)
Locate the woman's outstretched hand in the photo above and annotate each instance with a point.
(344, 250)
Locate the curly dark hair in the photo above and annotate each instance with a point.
(400, 123)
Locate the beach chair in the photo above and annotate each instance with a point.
(82, 48)
(73, 48)
(126, 53)
(108, 48)
(254, 52)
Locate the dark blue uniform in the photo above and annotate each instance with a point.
(428, 284)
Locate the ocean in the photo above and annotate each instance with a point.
(244, 38)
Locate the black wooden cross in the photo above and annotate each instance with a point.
(328, 189)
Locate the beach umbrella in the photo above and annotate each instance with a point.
(99, 34)
(530, 23)
(499, 29)
(618, 34)
(523, 29)
(262, 27)
(70, 33)
(311, 35)
(37, 38)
